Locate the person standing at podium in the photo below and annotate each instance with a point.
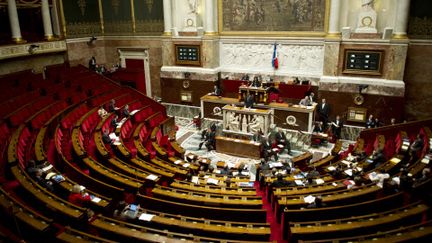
(249, 100)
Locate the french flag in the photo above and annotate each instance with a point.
(275, 62)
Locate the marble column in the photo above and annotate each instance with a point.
(209, 17)
(401, 23)
(14, 22)
(55, 18)
(46, 19)
(334, 30)
(167, 10)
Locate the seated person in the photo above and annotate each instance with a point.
(311, 97)
(102, 112)
(106, 137)
(279, 182)
(114, 122)
(318, 127)
(78, 196)
(318, 203)
(305, 101)
(256, 82)
(39, 177)
(204, 135)
(125, 111)
(378, 158)
(282, 140)
(216, 91)
(32, 168)
(112, 106)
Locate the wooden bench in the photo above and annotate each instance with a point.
(190, 186)
(413, 233)
(206, 227)
(207, 199)
(110, 176)
(352, 226)
(26, 215)
(209, 212)
(52, 202)
(73, 236)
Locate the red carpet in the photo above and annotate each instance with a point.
(276, 231)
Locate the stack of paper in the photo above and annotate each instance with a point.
(186, 165)
(96, 199)
(212, 181)
(177, 162)
(309, 199)
(331, 168)
(299, 182)
(319, 181)
(47, 168)
(146, 217)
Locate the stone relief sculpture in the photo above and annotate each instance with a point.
(256, 124)
(367, 17)
(292, 58)
(233, 122)
(192, 6)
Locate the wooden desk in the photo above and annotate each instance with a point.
(238, 147)
(283, 112)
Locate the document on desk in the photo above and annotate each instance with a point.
(96, 199)
(195, 180)
(309, 199)
(151, 177)
(319, 181)
(47, 168)
(212, 181)
(177, 162)
(146, 217)
(331, 168)
(299, 182)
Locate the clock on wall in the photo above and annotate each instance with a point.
(186, 84)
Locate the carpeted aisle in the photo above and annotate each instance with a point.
(276, 231)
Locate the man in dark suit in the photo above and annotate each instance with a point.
(281, 140)
(268, 149)
(323, 111)
(337, 127)
(318, 127)
(211, 141)
(216, 91)
(370, 123)
(249, 100)
(256, 82)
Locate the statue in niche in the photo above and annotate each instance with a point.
(366, 22)
(244, 124)
(190, 20)
(192, 6)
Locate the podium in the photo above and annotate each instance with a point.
(246, 121)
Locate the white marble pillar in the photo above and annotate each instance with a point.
(401, 23)
(209, 17)
(334, 30)
(55, 18)
(46, 19)
(167, 10)
(14, 22)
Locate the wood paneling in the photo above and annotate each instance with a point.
(171, 89)
(383, 107)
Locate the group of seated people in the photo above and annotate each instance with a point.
(272, 144)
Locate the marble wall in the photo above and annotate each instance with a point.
(418, 73)
(36, 62)
(105, 50)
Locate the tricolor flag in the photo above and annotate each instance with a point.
(275, 62)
